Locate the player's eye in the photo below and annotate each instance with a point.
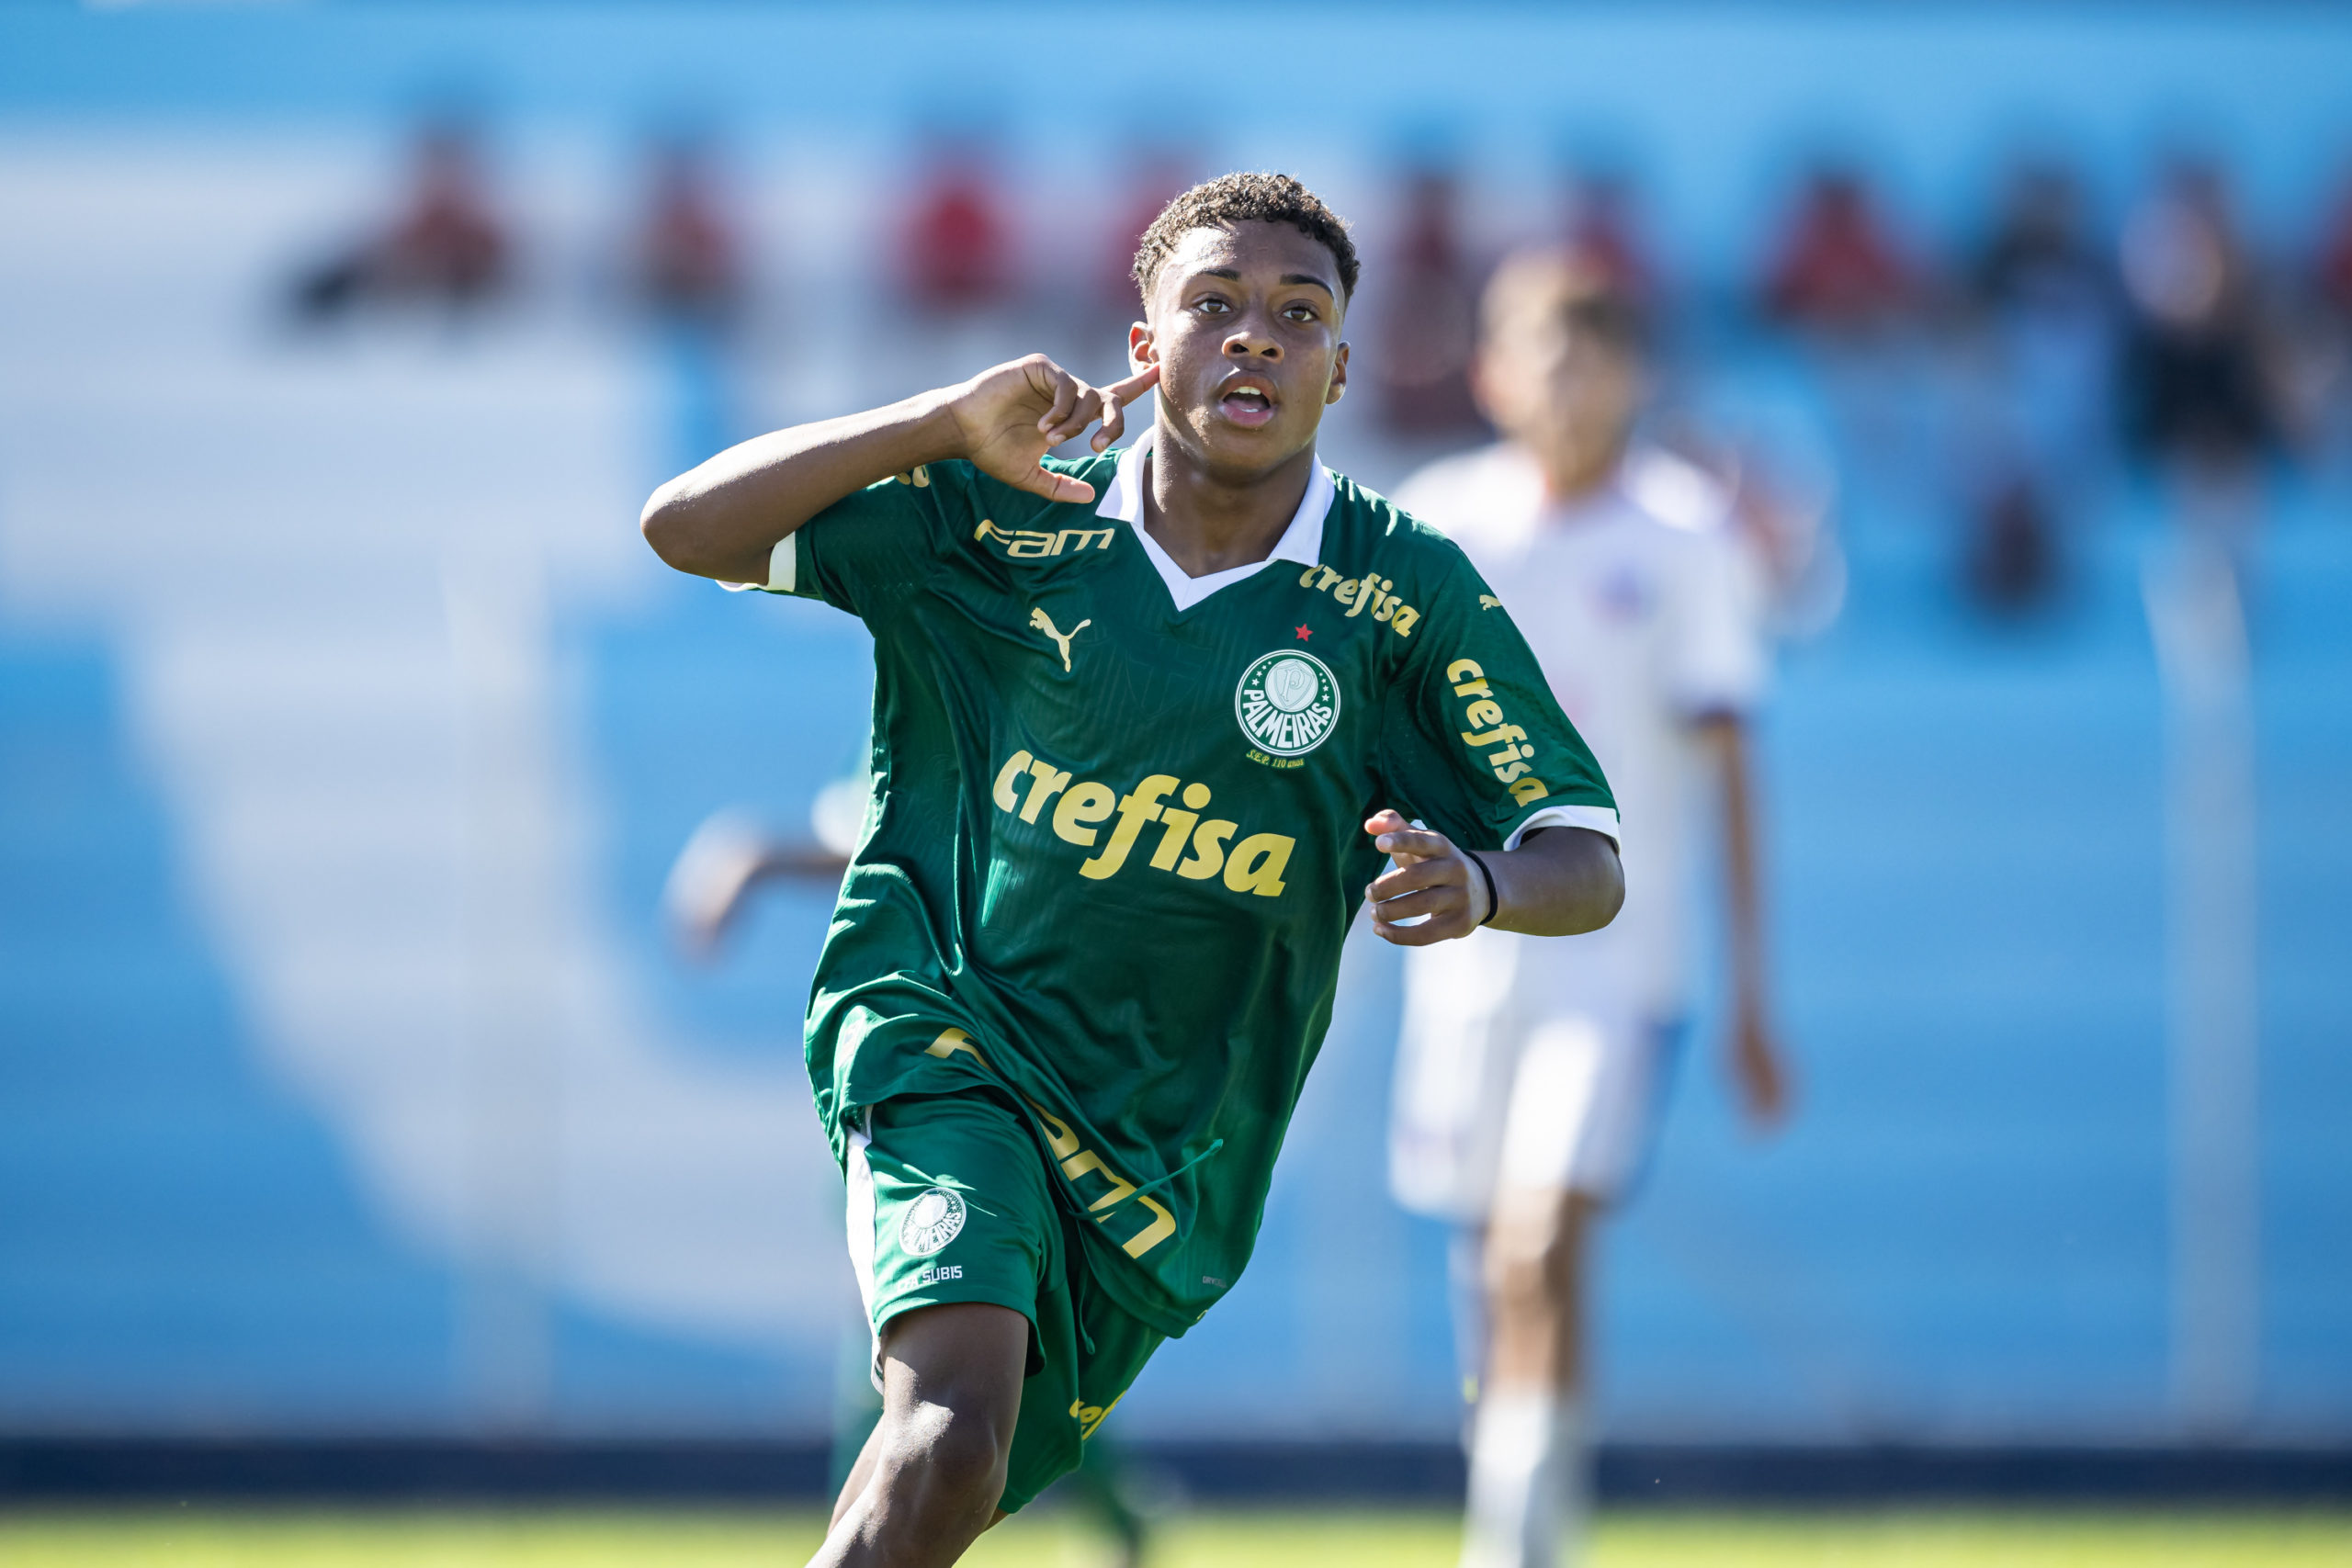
(1211, 305)
(1302, 311)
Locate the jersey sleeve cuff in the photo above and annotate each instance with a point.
(783, 568)
(1601, 820)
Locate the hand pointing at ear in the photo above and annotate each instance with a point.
(724, 517)
(1010, 416)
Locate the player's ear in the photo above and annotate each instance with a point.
(1339, 376)
(1142, 349)
(1482, 384)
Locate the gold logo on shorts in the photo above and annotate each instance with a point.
(1090, 1416)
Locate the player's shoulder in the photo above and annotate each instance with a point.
(960, 478)
(987, 524)
(1488, 494)
(1660, 516)
(1367, 529)
(1676, 497)
(1095, 467)
(1374, 553)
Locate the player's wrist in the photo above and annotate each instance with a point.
(939, 424)
(1486, 897)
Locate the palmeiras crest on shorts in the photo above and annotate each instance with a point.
(931, 1223)
(1287, 703)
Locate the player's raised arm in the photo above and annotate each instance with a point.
(721, 518)
(1559, 882)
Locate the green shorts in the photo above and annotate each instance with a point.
(948, 1201)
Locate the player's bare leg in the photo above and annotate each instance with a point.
(928, 1481)
(1527, 1451)
(1534, 1268)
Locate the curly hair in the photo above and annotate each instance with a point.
(1245, 199)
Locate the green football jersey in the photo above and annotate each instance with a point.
(1116, 834)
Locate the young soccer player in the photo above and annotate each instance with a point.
(1529, 1074)
(1145, 725)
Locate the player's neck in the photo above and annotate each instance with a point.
(1209, 522)
(1572, 484)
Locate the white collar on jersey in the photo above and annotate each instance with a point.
(1301, 542)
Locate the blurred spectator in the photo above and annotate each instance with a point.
(2043, 334)
(690, 264)
(2037, 252)
(1156, 176)
(1602, 230)
(1427, 321)
(2334, 273)
(957, 255)
(2012, 563)
(1837, 270)
(2200, 401)
(1839, 279)
(2328, 344)
(447, 247)
(687, 272)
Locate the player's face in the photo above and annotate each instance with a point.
(1569, 395)
(1244, 324)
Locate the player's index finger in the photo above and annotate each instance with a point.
(1415, 841)
(1134, 386)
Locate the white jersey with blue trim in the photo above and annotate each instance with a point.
(1646, 611)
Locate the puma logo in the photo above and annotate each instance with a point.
(1044, 623)
(1488, 602)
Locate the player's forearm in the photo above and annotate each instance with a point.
(1560, 881)
(722, 517)
(1726, 739)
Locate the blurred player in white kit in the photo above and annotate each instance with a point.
(1529, 1075)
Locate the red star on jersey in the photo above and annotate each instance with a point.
(1304, 633)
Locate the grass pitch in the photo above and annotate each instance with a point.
(1219, 1539)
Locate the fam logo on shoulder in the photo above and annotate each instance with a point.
(1287, 701)
(931, 1221)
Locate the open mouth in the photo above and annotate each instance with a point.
(1246, 403)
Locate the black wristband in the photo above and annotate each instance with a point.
(1494, 900)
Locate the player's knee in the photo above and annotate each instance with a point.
(960, 1458)
(1532, 1266)
(1515, 1277)
(968, 1466)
